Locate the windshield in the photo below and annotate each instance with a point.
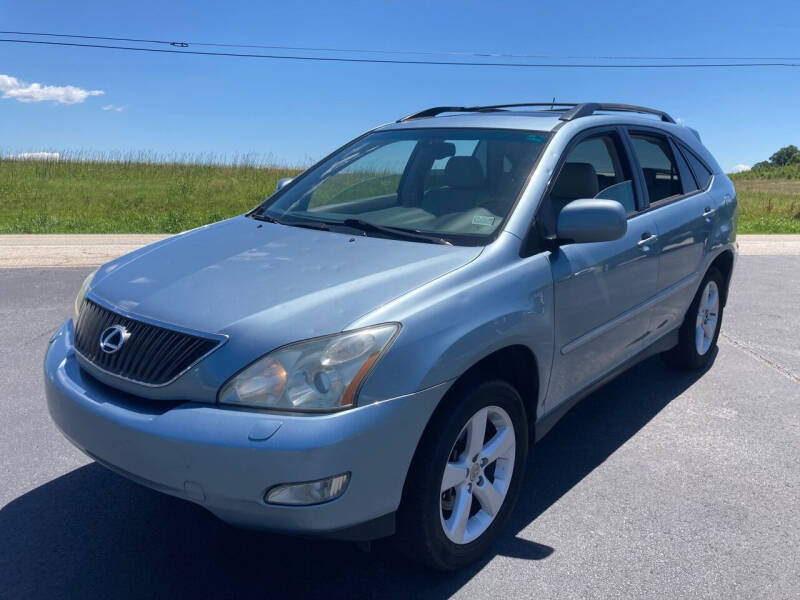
(451, 185)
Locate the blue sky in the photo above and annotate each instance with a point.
(298, 111)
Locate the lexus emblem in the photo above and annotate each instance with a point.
(112, 338)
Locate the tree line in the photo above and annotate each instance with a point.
(788, 155)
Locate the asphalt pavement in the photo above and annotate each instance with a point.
(661, 484)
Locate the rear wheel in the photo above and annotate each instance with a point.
(701, 326)
(465, 477)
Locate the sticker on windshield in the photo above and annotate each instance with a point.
(482, 220)
(535, 138)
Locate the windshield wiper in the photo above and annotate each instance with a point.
(263, 217)
(395, 232)
(365, 226)
(321, 225)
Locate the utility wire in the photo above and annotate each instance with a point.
(410, 62)
(184, 44)
(88, 37)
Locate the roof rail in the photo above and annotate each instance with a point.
(571, 110)
(589, 108)
(436, 110)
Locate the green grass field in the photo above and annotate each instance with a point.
(146, 194)
(768, 205)
(128, 195)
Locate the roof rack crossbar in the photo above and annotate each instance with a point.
(589, 108)
(436, 110)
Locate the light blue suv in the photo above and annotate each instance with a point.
(373, 350)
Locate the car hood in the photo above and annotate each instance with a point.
(272, 282)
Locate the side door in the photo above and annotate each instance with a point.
(683, 212)
(602, 290)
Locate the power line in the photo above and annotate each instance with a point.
(90, 37)
(409, 62)
(185, 44)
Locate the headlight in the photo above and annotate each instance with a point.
(85, 286)
(321, 374)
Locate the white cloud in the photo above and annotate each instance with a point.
(11, 87)
(115, 107)
(36, 156)
(740, 168)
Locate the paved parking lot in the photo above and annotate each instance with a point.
(658, 485)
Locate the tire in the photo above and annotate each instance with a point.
(428, 528)
(692, 353)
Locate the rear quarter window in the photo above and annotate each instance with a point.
(701, 172)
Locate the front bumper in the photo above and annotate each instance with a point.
(204, 453)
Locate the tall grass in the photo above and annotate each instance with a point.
(131, 193)
(768, 205)
(769, 199)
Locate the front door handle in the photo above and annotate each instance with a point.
(647, 238)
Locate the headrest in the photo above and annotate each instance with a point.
(576, 180)
(463, 172)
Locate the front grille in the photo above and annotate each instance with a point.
(151, 355)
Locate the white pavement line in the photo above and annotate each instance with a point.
(77, 239)
(87, 250)
(769, 245)
(77, 250)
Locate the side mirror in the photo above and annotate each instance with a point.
(593, 220)
(282, 183)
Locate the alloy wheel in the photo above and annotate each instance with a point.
(707, 317)
(477, 475)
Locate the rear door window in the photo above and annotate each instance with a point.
(659, 167)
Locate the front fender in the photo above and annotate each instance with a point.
(449, 325)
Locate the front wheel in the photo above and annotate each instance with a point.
(465, 477)
(698, 334)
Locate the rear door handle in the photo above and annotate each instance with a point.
(708, 211)
(647, 238)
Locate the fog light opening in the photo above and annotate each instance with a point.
(308, 492)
